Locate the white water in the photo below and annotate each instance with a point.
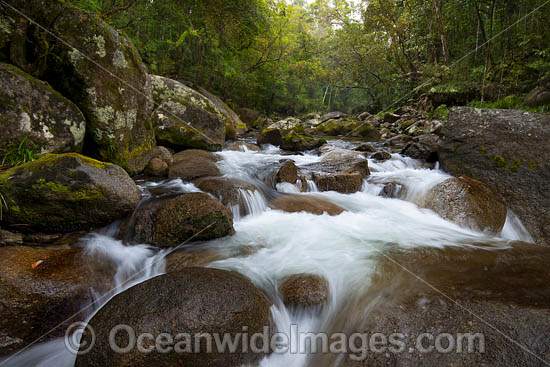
(341, 248)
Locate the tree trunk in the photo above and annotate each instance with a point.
(442, 33)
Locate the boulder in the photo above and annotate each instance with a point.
(186, 119)
(398, 142)
(248, 115)
(304, 290)
(345, 183)
(193, 301)
(44, 291)
(305, 203)
(31, 110)
(365, 148)
(171, 221)
(335, 115)
(191, 164)
(348, 127)
(344, 161)
(381, 156)
(539, 96)
(157, 167)
(469, 203)
(140, 161)
(239, 146)
(286, 125)
(287, 173)
(117, 109)
(232, 121)
(393, 191)
(391, 117)
(49, 194)
(8, 238)
(272, 137)
(227, 190)
(298, 143)
(363, 116)
(507, 149)
(423, 147)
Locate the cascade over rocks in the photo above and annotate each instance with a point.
(186, 119)
(193, 301)
(507, 149)
(37, 299)
(193, 163)
(469, 203)
(238, 146)
(303, 203)
(49, 194)
(227, 190)
(117, 109)
(304, 290)
(31, 109)
(171, 221)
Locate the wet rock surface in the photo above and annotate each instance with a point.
(43, 288)
(304, 290)
(192, 164)
(287, 173)
(469, 203)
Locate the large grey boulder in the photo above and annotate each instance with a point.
(31, 109)
(186, 119)
(507, 149)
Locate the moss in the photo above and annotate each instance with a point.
(440, 113)
(241, 126)
(500, 162)
(42, 185)
(531, 166)
(87, 195)
(483, 150)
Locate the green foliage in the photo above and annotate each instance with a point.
(17, 153)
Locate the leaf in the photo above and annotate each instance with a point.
(37, 264)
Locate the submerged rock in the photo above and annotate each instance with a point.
(45, 291)
(304, 290)
(32, 110)
(469, 203)
(507, 149)
(272, 137)
(186, 119)
(192, 164)
(193, 301)
(287, 173)
(305, 203)
(171, 221)
(117, 109)
(66, 193)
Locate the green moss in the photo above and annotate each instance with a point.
(42, 185)
(87, 195)
(500, 162)
(483, 150)
(531, 166)
(440, 113)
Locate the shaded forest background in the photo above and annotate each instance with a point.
(294, 58)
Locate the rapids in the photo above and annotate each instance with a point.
(344, 248)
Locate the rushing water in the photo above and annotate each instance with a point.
(341, 248)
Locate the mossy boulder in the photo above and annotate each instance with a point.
(348, 126)
(184, 118)
(469, 203)
(194, 301)
(296, 142)
(65, 193)
(31, 109)
(231, 120)
(170, 221)
(109, 84)
(43, 292)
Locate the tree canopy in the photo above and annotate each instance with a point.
(293, 57)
